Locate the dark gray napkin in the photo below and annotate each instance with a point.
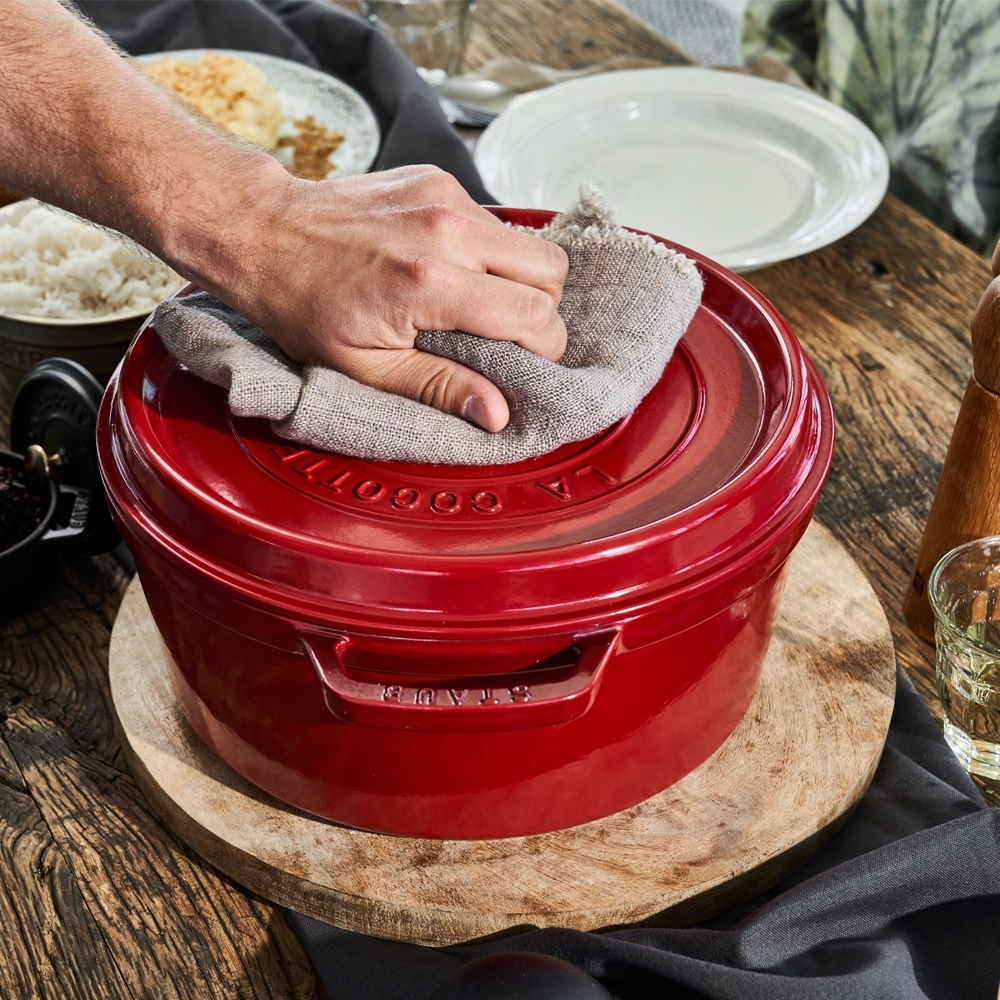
(323, 36)
(902, 904)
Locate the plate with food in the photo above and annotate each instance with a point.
(311, 122)
(744, 170)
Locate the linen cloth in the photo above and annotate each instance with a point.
(626, 302)
(902, 904)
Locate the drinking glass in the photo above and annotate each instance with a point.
(964, 592)
(432, 33)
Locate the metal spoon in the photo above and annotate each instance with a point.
(460, 113)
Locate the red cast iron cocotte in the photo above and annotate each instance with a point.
(476, 652)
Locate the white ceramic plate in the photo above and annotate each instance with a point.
(303, 91)
(742, 169)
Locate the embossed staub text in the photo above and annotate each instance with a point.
(519, 694)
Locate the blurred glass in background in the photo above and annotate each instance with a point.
(433, 33)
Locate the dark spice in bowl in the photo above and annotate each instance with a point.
(22, 507)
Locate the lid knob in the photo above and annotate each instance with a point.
(36, 462)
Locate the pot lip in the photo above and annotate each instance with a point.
(645, 534)
(9, 458)
(70, 339)
(303, 607)
(67, 323)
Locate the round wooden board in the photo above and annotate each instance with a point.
(781, 785)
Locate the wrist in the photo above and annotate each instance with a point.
(216, 231)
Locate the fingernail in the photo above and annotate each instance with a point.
(475, 410)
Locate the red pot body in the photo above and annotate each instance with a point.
(463, 652)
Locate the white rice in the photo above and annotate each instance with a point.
(58, 267)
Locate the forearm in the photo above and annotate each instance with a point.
(341, 272)
(81, 127)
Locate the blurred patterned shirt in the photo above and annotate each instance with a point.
(924, 75)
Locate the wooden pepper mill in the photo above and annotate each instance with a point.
(967, 502)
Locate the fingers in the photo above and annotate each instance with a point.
(438, 382)
(358, 265)
(455, 298)
(516, 256)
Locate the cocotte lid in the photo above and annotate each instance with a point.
(720, 458)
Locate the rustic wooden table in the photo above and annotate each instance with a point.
(98, 901)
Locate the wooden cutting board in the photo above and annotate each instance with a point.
(777, 790)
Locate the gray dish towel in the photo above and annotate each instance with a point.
(626, 303)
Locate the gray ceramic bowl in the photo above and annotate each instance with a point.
(97, 345)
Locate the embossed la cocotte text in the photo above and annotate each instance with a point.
(364, 486)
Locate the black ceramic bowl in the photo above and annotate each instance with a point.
(13, 554)
(64, 520)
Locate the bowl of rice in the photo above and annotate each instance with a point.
(71, 289)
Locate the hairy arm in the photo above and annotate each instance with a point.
(341, 272)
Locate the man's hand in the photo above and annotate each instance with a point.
(342, 272)
(352, 268)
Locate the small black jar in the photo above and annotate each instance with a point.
(53, 418)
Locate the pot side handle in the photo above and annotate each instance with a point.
(524, 699)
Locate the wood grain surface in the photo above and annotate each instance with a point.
(567, 34)
(884, 313)
(105, 901)
(767, 799)
(986, 338)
